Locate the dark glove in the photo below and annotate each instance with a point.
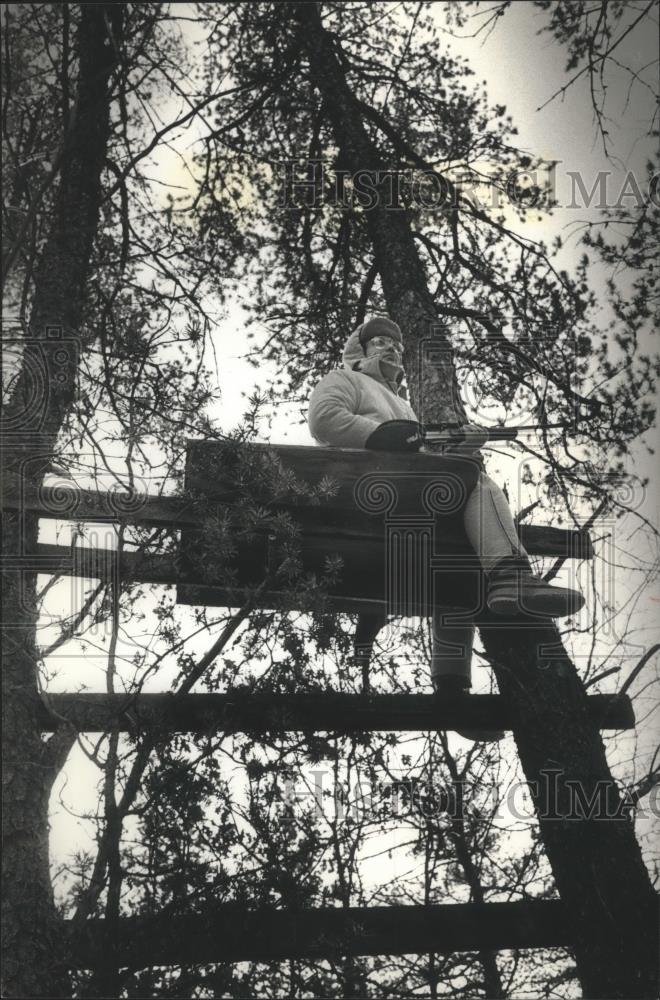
(396, 435)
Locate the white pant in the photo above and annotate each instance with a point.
(492, 533)
(489, 524)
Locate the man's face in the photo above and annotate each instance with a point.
(387, 349)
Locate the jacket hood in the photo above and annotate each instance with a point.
(355, 359)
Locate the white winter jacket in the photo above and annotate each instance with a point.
(348, 405)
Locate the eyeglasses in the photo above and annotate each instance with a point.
(386, 342)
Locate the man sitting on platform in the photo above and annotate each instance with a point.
(364, 405)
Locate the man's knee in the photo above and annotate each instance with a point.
(486, 483)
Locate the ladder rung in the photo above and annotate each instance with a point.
(233, 934)
(329, 711)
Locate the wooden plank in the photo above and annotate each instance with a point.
(381, 499)
(406, 510)
(362, 577)
(214, 469)
(74, 504)
(367, 480)
(175, 512)
(391, 512)
(98, 564)
(230, 933)
(369, 487)
(327, 711)
(455, 584)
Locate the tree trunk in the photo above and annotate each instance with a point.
(34, 958)
(597, 864)
(427, 351)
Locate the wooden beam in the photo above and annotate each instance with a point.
(134, 567)
(174, 512)
(101, 506)
(229, 933)
(214, 469)
(327, 711)
(457, 582)
(370, 486)
(100, 564)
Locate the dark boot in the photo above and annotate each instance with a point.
(450, 686)
(514, 590)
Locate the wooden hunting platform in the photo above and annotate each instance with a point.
(395, 520)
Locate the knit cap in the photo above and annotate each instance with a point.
(380, 326)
